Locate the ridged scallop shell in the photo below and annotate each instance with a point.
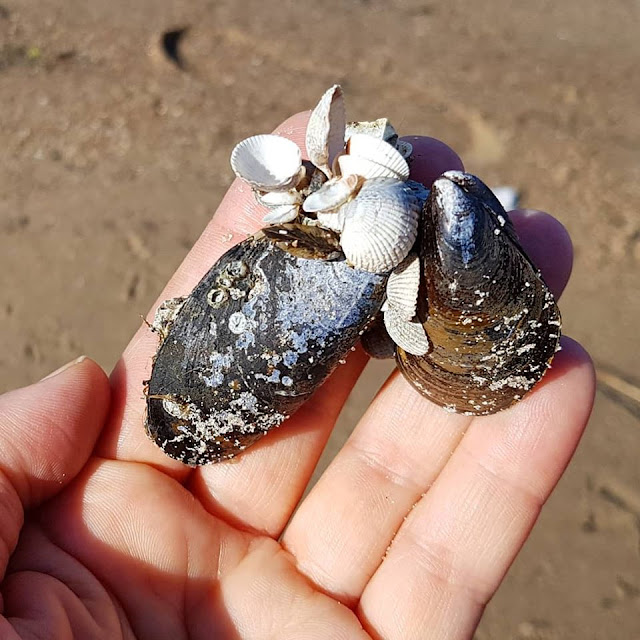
(403, 286)
(407, 334)
(380, 226)
(332, 194)
(268, 162)
(371, 150)
(493, 324)
(326, 129)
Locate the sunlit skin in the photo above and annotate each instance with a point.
(407, 534)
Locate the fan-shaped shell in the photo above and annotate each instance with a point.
(403, 286)
(326, 129)
(492, 322)
(332, 194)
(268, 162)
(407, 334)
(380, 225)
(371, 157)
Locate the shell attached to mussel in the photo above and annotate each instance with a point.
(278, 312)
(354, 248)
(492, 324)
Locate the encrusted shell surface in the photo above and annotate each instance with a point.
(493, 324)
(380, 225)
(268, 162)
(326, 129)
(252, 342)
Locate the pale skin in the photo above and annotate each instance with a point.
(407, 534)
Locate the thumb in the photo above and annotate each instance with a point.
(47, 432)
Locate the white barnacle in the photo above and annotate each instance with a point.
(237, 323)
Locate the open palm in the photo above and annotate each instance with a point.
(407, 534)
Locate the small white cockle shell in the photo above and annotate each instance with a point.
(326, 128)
(283, 213)
(380, 225)
(332, 194)
(333, 220)
(373, 158)
(278, 198)
(403, 286)
(408, 335)
(268, 162)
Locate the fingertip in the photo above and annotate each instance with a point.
(48, 429)
(548, 245)
(430, 158)
(295, 128)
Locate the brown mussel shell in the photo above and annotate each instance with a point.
(253, 341)
(492, 322)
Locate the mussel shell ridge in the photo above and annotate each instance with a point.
(492, 322)
(258, 335)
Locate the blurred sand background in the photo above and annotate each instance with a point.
(113, 157)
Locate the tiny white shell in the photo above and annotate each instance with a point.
(403, 286)
(332, 194)
(326, 128)
(281, 214)
(380, 225)
(372, 158)
(408, 335)
(333, 220)
(268, 162)
(381, 129)
(279, 198)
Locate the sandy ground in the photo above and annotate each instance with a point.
(112, 160)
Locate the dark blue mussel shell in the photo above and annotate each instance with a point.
(492, 322)
(257, 336)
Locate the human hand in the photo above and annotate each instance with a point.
(407, 534)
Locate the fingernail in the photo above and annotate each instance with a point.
(65, 367)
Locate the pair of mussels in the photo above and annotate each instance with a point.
(278, 312)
